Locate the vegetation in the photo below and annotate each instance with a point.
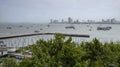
(9, 62)
(62, 52)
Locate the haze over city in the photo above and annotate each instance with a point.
(41, 11)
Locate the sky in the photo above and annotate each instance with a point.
(41, 11)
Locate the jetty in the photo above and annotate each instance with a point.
(26, 35)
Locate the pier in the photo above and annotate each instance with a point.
(23, 40)
(25, 35)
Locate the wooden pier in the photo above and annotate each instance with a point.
(25, 35)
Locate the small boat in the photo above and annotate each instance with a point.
(36, 31)
(20, 26)
(48, 25)
(31, 26)
(9, 27)
(70, 27)
(104, 28)
(41, 29)
(90, 29)
(27, 27)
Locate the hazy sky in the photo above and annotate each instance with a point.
(43, 10)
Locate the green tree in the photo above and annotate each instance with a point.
(9, 62)
(94, 52)
(55, 52)
(63, 52)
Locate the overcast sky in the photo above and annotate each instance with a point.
(43, 10)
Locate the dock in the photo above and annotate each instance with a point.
(26, 35)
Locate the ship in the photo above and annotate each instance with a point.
(104, 28)
(70, 27)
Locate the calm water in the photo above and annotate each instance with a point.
(90, 29)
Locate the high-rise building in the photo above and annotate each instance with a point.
(55, 21)
(113, 20)
(77, 21)
(103, 20)
(62, 21)
(51, 21)
(108, 20)
(70, 20)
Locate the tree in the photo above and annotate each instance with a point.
(55, 52)
(94, 52)
(63, 52)
(9, 62)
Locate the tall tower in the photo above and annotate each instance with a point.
(51, 21)
(62, 21)
(70, 20)
(113, 20)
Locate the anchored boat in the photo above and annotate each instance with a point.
(70, 27)
(104, 28)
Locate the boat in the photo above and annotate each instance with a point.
(41, 29)
(70, 27)
(48, 25)
(27, 27)
(9, 27)
(20, 26)
(90, 29)
(104, 28)
(36, 31)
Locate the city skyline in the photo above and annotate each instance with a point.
(71, 20)
(42, 10)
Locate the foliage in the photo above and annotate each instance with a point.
(9, 62)
(62, 52)
(56, 52)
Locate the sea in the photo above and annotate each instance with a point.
(11, 29)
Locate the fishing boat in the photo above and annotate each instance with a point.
(104, 28)
(36, 31)
(41, 29)
(70, 27)
(9, 27)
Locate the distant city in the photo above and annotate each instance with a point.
(71, 21)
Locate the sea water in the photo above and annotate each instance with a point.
(11, 29)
